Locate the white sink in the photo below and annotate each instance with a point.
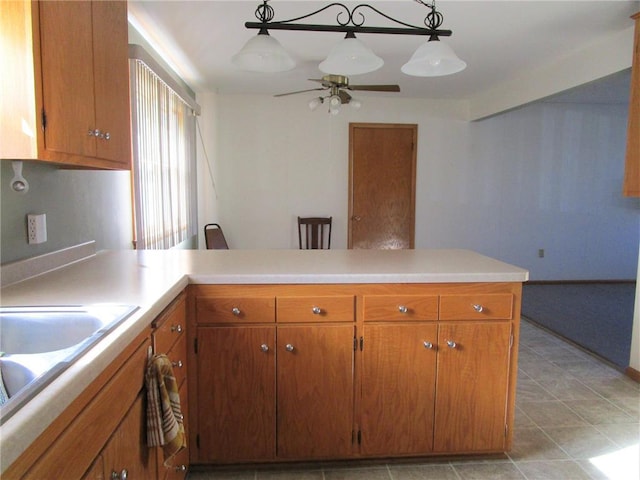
(39, 343)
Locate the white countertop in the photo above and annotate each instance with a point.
(151, 279)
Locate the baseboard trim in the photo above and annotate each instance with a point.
(633, 374)
(573, 282)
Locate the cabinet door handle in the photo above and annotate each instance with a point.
(289, 347)
(451, 344)
(236, 311)
(177, 364)
(176, 328)
(316, 310)
(478, 308)
(181, 468)
(123, 475)
(403, 309)
(264, 347)
(107, 136)
(428, 345)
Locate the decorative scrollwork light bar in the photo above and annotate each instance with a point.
(352, 56)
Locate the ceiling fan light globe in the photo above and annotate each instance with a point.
(351, 57)
(263, 53)
(433, 59)
(314, 103)
(334, 101)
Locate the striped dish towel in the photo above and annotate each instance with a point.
(165, 427)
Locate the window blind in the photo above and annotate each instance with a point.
(164, 154)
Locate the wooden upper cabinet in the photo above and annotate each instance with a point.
(631, 187)
(70, 92)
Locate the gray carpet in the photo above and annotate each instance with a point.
(596, 316)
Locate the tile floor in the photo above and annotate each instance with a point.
(576, 418)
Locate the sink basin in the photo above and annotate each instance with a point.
(38, 343)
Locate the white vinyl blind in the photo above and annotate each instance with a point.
(164, 152)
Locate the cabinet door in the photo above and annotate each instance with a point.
(111, 80)
(471, 386)
(127, 449)
(236, 393)
(67, 77)
(315, 391)
(398, 388)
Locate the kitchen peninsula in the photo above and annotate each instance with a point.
(351, 353)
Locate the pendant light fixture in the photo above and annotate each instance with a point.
(351, 56)
(263, 53)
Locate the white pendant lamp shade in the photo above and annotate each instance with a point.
(433, 59)
(263, 53)
(351, 57)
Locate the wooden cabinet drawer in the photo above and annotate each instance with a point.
(400, 307)
(496, 306)
(169, 327)
(178, 357)
(316, 309)
(235, 309)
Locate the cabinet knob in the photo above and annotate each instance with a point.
(316, 310)
(123, 475)
(176, 328)
(356, 218)
(264, 347)
(403, 309)
(177, 364)
(289, 347)
(181, 468)
(427, 345)
(107, 136)
(451, 344)
(235, 311)
(478, 308)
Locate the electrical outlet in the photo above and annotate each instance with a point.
(36, 228)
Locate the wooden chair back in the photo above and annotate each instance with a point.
(316, 232)
(214, 238)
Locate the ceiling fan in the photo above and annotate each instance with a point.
(337, 86)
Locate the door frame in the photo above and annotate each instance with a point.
(412, 126)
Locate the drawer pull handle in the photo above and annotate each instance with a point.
(119, 476)
(236, 311)
(264, 347)
(177, 364)
(176, 328)
(403, 309)
(316, 310)
(478, 308)
(428, 345)
(451, 344)
(289, 347)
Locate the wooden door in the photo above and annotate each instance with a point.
(398, 388)
(382, 171)
(315, 391)
(471, 386)
(236, 394)
(127, 449)
(67, 77)
(111, 67)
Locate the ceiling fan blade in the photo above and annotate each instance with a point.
(375, 88)
(299, 91)
(344, 97)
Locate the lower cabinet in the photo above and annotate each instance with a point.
(472, 387)
(236, 393)
(126, 454)
(315, 391)
(321, 372)
(398, 388)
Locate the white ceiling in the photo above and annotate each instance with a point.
(499, 40)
